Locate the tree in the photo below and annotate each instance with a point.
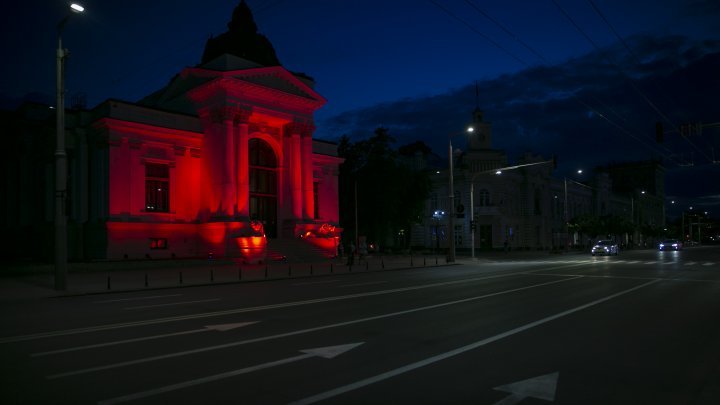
(390, 194)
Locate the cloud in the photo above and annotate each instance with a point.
(588, 110)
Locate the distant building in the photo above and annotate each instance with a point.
(525, 207)
(217, 162)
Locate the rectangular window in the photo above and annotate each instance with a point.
(157, 187)
(158, 243)
(316, 206)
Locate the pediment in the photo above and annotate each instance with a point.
(275, 82)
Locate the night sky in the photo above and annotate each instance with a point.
(586, 80)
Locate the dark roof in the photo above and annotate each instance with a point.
(242, 40)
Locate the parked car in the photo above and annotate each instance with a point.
(604, 247)
(670, 244)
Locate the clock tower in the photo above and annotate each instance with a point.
(481, 137)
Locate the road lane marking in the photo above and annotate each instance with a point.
(434, 359)
(363, 284)
(329, 352)
(690, 263)
(542, 387)
(152, 297)
(217, 328)
(170, 304)
(317, 282)
(708, 264)
(156, 321)
(301, 331)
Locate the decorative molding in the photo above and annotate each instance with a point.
(238, 114)
(196, 153)
(263, 128)
(303, 128)
(180, 150)
(242, 115)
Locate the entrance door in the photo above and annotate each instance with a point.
(263, 185)
(485, 236)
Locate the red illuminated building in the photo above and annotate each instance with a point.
(221, 160)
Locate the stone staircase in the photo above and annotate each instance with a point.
(295, 251)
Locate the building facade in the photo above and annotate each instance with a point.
(218, 162)
(521, 205)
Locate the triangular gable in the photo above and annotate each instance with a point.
(274, 77)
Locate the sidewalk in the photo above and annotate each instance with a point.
(31, 281)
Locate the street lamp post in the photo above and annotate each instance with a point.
(61, 160)
(565, 209)
(451, 216)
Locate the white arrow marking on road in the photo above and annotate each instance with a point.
(541, 387)
(328, 352)
(301, 331)
(218, 328)
(460, 350)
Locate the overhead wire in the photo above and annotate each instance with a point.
(632, 55)
(539, 55)
(487, 38)
(622, 72)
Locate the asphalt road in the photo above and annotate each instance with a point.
(639, 328)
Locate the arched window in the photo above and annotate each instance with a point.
(483, 198)
(538, 202)
(263, 185)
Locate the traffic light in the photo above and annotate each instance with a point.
(659, 132)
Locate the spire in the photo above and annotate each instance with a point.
(242, 39)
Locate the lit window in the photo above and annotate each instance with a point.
(157, 181)
(158, 243)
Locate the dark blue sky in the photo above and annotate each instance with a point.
(412, 66)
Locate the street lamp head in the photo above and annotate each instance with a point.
(470, 129)
(77, 8)
(499, 172)
(579, 171)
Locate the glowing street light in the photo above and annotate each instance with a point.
(451, 217)
(61, 159)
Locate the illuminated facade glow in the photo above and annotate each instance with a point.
(222, 160)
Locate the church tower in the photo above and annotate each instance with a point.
(481, 137)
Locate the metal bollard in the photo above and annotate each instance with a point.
(180, 277)
(311, 270)
(382, 263)
(411, 261)
(239, 273)
(212, 276)
(331, 268)
(367, 265)
(266, 270)
(289, 270)
(423, 262)
(146, 280)
(436, 260)
(108, 283)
